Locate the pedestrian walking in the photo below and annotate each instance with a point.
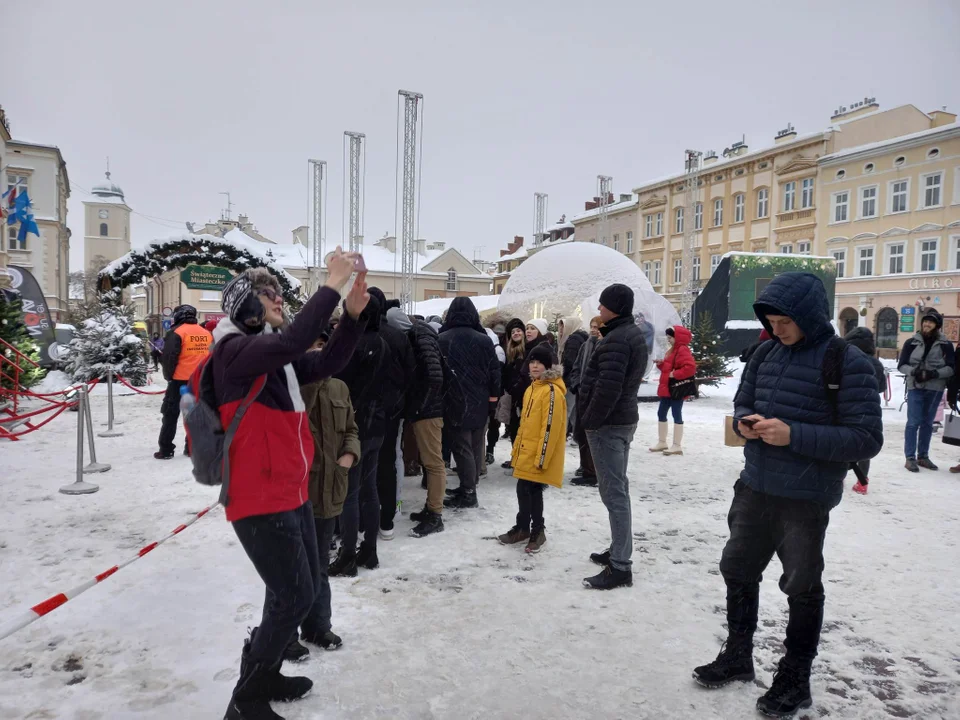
(156, 350)
(677, 364)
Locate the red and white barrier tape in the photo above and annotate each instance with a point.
(142, 392)
(52, 603)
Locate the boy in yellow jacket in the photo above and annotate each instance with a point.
(538, 450)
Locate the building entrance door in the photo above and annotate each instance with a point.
(887, 328)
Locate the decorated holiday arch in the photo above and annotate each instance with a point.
(177, 253)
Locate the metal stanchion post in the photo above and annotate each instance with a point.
(79, 487)
(110, 432)
(93, 466)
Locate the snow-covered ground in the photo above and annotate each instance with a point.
(455, 625)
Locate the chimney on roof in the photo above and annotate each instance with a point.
(709, 158)
(301, 236)
(626, 197)
(861, 107)
(592, 204)
(785, 135)
(942, 117)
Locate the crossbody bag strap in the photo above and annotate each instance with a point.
(252, 395)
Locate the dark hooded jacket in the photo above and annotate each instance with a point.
(398, 367)
(425, 396)
(787, 383)
(608, 389)
(471, 357)
(932, 354)
(862, 339)
(363, 374)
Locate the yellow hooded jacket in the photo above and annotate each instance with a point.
(539, 449)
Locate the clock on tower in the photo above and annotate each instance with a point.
(104, 214)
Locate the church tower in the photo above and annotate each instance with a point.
(106, 224)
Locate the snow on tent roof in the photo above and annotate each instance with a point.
(438, 306)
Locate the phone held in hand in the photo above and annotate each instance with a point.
(749, 422)
(359, 265)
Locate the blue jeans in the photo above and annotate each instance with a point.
(610, 447)
(670, 404)
(283, 548)
(921, 410)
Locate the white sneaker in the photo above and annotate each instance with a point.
(386, 534)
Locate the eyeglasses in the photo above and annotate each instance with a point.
(270, 294)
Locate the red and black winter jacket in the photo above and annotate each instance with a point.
(679, 361)
(272, 451)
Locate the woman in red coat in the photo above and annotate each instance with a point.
(678, 364)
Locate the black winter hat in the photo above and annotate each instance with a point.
(932, 314)
(543, 354)
(618, 298)
(184, 314)
(514, 324)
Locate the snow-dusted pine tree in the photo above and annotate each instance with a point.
(705, 346)
(107, 340)
(14, 332)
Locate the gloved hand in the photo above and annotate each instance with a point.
(922, 375)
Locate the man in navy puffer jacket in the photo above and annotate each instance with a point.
(799, 448)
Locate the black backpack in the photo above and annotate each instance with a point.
(209, 443)
(454, 399)
(831, 371)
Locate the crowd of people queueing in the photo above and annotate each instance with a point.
(333, 401)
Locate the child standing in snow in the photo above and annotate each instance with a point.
(538, 450)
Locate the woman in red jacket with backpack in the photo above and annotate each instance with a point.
(678, 364)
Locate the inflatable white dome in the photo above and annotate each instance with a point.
(555, 281)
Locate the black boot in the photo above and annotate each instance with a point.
(790, 691)
(328, 640)
(466, 499)
(490, 458)
(345, 564)
(609, 579)
(735, 662)
(420, 515)
(430, 523)
(585, 481)
(295, 652)
(258, 685)
(367, 557)
(164, 454)
(601, 559)
(450, 492)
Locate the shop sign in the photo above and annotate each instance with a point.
(934, 283)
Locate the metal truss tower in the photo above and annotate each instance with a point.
(355, 192)
(691, 285)
(604, 190)
(408, 201)
(540, 201)
(319, 206)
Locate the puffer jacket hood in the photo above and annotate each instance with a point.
(862, 339)
(462, 313)
(802, 298)
(570, 326)
(681, 335)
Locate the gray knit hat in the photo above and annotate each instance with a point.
(240, 302)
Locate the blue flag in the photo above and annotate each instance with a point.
(23, 214)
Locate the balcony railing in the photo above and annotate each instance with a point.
(797, 217)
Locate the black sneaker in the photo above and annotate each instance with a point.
(601, 559)
(735, 662)
(430, 523)
(367, 557)
(164, 455)
(578, 472)
(344, 566)
(609, 579)
(585, 481)
(490, 458)
(328, 641)
(790, 691)
(927, 463)
(295, 652)
(508, 465)
(250, 710)
(280, 688)
(910, 465)
(466, 499)
(451, 492)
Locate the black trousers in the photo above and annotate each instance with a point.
(467, 448)
(283, 548)
(530, 500)
(387, 475)
(586, 460)
(761, 525)
(865, 469)
(493, 433)
(170, 410)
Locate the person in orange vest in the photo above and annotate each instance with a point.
(185, 346)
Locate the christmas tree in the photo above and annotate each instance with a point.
(107, 341)
(705, 346)
(14, 332)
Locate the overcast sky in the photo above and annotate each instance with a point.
(193, 98)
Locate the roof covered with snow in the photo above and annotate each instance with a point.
(106, 200)
(923, 136)
(438, 306)
(612, 208)
(380, 258)
(519, 254)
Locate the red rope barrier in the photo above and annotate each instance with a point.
(6, 434)
(142, 392)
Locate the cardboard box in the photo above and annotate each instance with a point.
(730, 438)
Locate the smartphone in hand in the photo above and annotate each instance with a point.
(359, 265)
(748, 421)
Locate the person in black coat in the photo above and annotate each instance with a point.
(425, 414)
(608, 416)
(471, 358)
(398, 369)
(572, 338)
(364, 378)
(862, 339)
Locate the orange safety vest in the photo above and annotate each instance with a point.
(194, 344)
